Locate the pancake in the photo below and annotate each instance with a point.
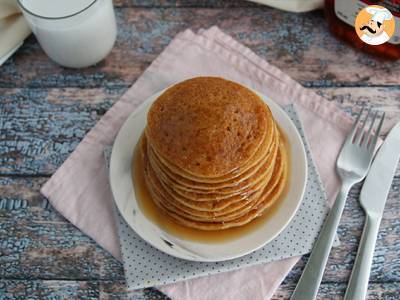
(257, 211)
(191, 184)
(242, 194)
(211, 204)
(229, 188)
(213, 157)
(239, 170)
(230, 212)
(208, 126)
(221, 207)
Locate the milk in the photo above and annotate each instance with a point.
(74, 33)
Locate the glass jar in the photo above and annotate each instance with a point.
(341, 16)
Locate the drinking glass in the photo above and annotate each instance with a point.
(73, 34)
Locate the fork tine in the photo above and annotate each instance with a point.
(369, 134)
(355, 125)
(377, 132)
(361, 132)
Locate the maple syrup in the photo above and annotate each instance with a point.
(155, 215)
(347, 10)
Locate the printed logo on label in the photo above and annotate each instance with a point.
(374, 25)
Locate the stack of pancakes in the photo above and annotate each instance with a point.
(213, 156)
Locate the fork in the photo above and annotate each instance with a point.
(352, 166)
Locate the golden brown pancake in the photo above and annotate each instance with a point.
(229, 188)
(229, 213)
(208, 126)
(213, 157)
(243, 170)
(257, 211)
(192, 184)
(223, 197)
(211, 204)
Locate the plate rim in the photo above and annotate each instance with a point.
(270, 102)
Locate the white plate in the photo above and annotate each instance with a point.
(125, 199)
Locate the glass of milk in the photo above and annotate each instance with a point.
(73, 33)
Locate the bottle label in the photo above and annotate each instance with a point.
(347, 11)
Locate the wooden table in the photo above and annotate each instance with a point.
(45, 110)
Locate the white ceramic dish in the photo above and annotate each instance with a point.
(125, 198)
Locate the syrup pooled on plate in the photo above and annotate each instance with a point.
(156, 216)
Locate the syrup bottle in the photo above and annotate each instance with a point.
(341, 15)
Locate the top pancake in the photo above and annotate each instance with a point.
(208, 126)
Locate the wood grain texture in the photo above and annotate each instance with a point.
(60, 289)
(22, 289)
(299, 44)
(51, 124)
(38, 243)
(45, 111)
(335, 291)
(41, 127)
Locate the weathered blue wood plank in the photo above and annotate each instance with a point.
(41, 127)
(335, 291)
(38, 243)
(23, 289)
(58, 289)
(47, 250)
(50, 125)
(299, 44)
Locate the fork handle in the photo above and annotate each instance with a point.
(307, 287)
(358, 285)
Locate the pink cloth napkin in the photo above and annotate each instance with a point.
(79, 189)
